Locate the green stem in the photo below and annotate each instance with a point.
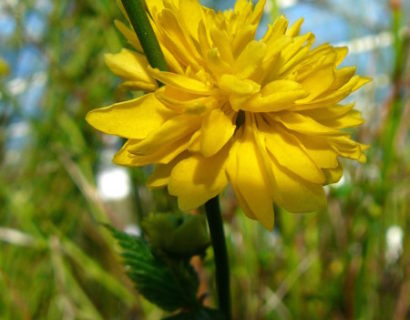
(136, 11)
(213, 214)
(138, 16)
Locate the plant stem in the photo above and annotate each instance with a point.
(138, 16)
(213, 214)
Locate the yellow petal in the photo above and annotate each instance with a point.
(172, 62)
(332, 97)
(362, 158)
(275, 96)
(176, 38)
(204, 39)
(174, 129)
(135, 85)
(163, 155)
(223, 44)
(257, 12)
(131, 66)
(242, 7)
(231, 168)
(197, 179)
(276, 30)
(217, 128)
(242, 24)
(318, 81)
(180, 81)
(295, 194)
(289, 153)
(362, 81)
(195, 142)
(272, 61)
(232, 84)
(238, 90)
(334, 175)
(337, 117)
(129, 34)
(156, 5)
(251, 180)
(245, 34)
(162, 173)
(351, 119)
(249, 60)
(319, 151)
(123, 157)
(346, 147)
(242, 202)
(303, 124)
(133, 119)
(295, 51)
(160, 176)
(342, 76)
(294, 30)
(341, 53)
(216, 64)
(329, 112)
(191, 12)
(181, 101)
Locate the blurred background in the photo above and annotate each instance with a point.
(57, 182)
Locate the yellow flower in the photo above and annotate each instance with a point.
(263, 115)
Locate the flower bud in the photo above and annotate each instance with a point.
(177, 234)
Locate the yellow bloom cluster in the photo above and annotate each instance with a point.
(263, 114)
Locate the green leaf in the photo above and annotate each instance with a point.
(198, 314)
(170, 284)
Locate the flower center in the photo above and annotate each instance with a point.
(240, 119)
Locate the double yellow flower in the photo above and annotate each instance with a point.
(263, 115)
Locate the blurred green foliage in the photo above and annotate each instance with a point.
(57, 262)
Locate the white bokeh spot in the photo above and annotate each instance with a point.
(113, 184)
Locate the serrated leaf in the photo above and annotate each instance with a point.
(198, 314)
(170, 284)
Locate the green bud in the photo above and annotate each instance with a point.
(177, 234)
